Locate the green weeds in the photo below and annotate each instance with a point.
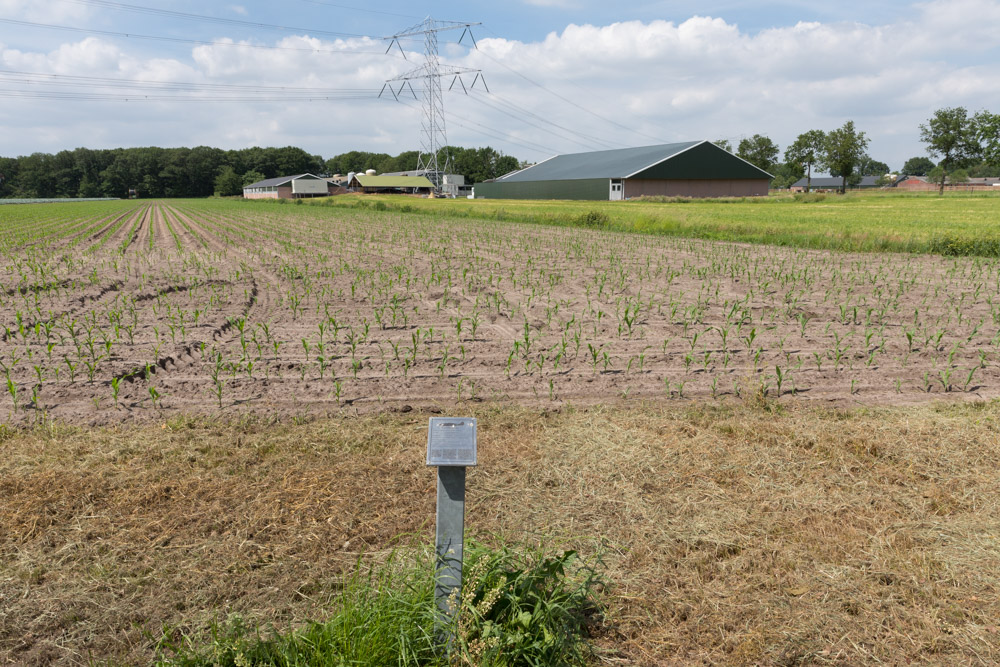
(519, 606)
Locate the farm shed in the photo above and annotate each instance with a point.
(923, 183)
(291, 187)
(833, 183)
(371, 184)
(688, 169)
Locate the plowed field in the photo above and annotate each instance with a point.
(125, 310)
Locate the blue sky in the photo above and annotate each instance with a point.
(520, 20)
(564, 75)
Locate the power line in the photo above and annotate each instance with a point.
(354, 8)
(534, 125)
(492, 132)
(107, 4)
(146, 97)
(535, 148)
(179, 40)
(567, 100)
(518, 114)
(520, 109)
(109, 82)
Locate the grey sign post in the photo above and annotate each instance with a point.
(451, 446)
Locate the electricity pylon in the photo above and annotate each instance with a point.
(434, 136)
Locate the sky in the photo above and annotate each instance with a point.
(563, 76)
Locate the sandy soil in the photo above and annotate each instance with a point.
(185, 306)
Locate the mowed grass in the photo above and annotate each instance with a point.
(955, 224)
(731, 533)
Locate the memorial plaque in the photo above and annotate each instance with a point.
(451, 441)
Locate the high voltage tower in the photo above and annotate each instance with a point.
(434, 137)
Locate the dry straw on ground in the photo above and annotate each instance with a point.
(731, 534)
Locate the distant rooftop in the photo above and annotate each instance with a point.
(393, 181)
(835, 182)
(280, 180)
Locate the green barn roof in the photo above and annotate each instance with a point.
(689, 159)
(393, 181)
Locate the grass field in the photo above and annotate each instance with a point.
(777, 455)
(957, 223)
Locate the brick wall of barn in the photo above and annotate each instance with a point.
(745, 187)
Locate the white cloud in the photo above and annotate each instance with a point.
(33, 10)
(77, 58)
(702, 77)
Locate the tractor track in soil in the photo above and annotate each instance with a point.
(100, 233)
(183, 355)
(123, 236)
(209, 241)
(134, 234)
(81, 302)
(44, 287)
(140, 237)
(193, 242)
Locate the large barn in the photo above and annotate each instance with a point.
(688, 169)
(291, 187)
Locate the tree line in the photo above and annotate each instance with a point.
(476, 164)
(843, 152)
(204, 171)
(968, 145)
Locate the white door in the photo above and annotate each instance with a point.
(617, 190)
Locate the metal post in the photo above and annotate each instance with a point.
(448, 545)
(451, 446)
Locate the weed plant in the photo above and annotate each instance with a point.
(519, 606)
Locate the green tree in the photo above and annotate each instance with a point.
(986, 126)
(173, 173)
(917, 166)
(252, 177)
(950, 133)
(481, 164)
(870, 167)
(959, 176)
(405, 161)
(228, 183)
(984, 170)
(506, 164)
(201, 166)
(724, 144)
(806, 151)
(357, 161)
(759, 151)
(786, 173)
(292, 161)
(88, 188)
(843, 152)
(8, 176)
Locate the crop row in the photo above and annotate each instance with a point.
(213, 305)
